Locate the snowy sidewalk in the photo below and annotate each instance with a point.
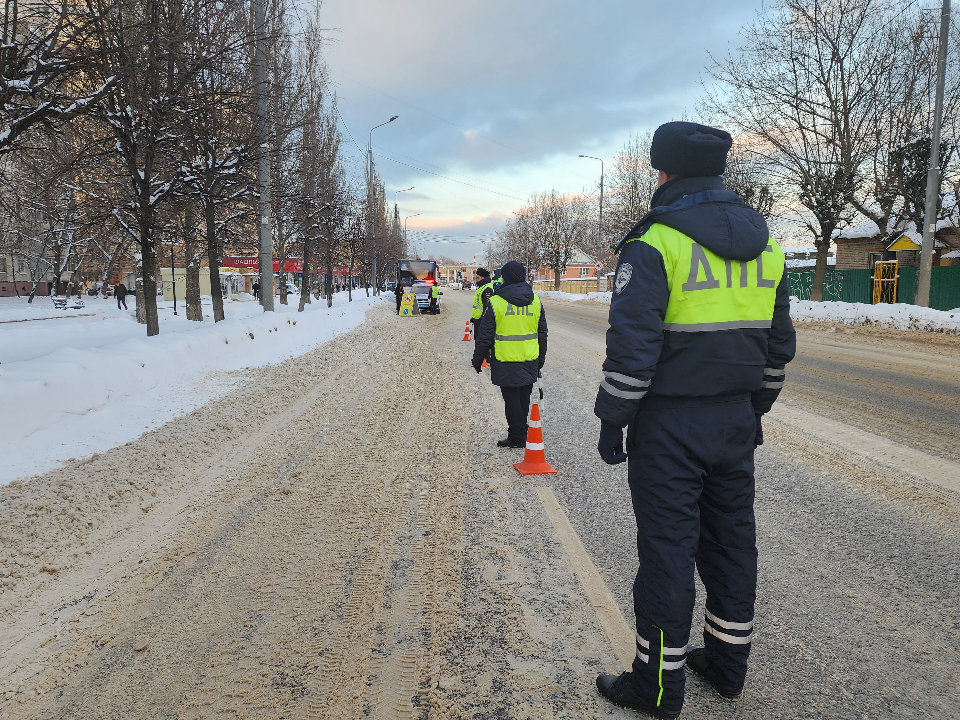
(86, 380)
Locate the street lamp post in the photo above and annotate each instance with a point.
(600, 225)
(372, 222)
(405, 225)
(395, 192)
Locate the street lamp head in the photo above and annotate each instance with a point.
(393, 118)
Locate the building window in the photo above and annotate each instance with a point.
(3, 266)
(22, 265)
(584, 272)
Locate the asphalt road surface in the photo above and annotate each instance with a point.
(362, 549)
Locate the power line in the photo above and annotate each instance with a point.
(460, 182)
(463, 175)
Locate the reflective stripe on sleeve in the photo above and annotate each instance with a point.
(725, 325)
(626, 379)
(512, 338)
(625, 394)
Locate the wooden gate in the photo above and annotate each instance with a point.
(885, 275)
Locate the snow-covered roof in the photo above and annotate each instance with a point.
(899, 227)
(797, 263)
(579, 257)
(952, 254)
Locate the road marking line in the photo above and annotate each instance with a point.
(929, 468)
(608, 612)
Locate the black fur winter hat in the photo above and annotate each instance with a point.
(513, 272)
(689, 149)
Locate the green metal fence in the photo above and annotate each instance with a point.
(857, 286)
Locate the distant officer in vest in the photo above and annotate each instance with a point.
(699, 337)
(514, 328)
(497, 279)
(434, 299)
(481, 296)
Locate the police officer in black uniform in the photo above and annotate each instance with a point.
(699, 337)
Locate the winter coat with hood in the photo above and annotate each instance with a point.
(713, 364)
(510, 374)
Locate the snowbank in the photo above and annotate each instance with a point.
(80, 381)
(558, 295)
(899, 316)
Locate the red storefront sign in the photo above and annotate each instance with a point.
(292, 265)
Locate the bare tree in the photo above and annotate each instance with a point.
(631, 183)
(748, 175)
(46, 48)
(895, 174)
(803, 86)
(559, 225)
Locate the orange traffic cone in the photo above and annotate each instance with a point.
(466, 332)
(484, 363)
(534, 459)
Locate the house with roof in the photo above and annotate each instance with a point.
(581, 265)
(862, 245)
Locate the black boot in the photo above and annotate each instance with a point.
(511, 443)
(621, 692)
(698, 664)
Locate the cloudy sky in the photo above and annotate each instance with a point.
(498, 98)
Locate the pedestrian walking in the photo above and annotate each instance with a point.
(398, 291)
(699, 337)
(513, 333)
(481, 296)
(121, 292)
(256, 290)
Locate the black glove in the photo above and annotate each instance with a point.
(758, 440)
(478, 365)
(610, 446)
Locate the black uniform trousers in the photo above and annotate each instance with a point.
(691, 482)
(516, 406)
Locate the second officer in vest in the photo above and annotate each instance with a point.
(481, 296)
(699, 336)
(514, 328)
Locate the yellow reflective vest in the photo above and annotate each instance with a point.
(477, 309)
(434, 291)
(708, 292)
(516, 333)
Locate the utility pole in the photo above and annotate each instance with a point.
(372, 220)
(600, 225)
(173, 280)
(922, 297)
(263, 156)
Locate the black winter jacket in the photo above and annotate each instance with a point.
(509, 374)
(734, 362)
